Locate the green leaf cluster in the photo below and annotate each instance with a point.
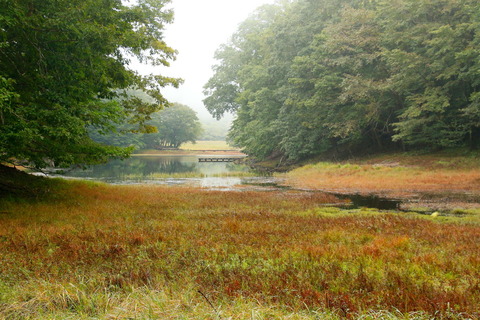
(65, 68)
(351, 76)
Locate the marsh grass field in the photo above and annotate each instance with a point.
(405, 176)
(93, 251)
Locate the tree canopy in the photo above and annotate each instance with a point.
(306, 77)
(175, 125)
(63, 62)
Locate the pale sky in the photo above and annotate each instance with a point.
(199, 28)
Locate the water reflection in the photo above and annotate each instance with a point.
(171, 170)
(186, 170)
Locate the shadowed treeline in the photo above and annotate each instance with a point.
(351, 77)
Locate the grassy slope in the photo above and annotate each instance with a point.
(106, 252)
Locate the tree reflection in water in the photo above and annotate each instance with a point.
(150, 168)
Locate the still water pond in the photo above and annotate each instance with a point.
(188, 171)
(171, 170)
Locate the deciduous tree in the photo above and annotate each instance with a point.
(307, 77)
(62, 62)
(175, 125)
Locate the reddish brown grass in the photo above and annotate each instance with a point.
(390, 178)
(276, 248)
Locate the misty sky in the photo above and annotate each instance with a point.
(199, 28)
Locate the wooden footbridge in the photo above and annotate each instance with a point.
(218, 159)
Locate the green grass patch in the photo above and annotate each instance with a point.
(207, 145)
(239, 174)
(162, 175)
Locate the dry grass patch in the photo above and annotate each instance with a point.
(388, 178)
(103, 252)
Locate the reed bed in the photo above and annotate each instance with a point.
(393, 179)
(175, 175)
(92, 251)
(238, 174)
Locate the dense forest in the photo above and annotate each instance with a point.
(307, 77)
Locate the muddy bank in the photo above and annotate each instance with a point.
(426, 203)
(420, 202)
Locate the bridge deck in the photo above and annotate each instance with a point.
(217, 159)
